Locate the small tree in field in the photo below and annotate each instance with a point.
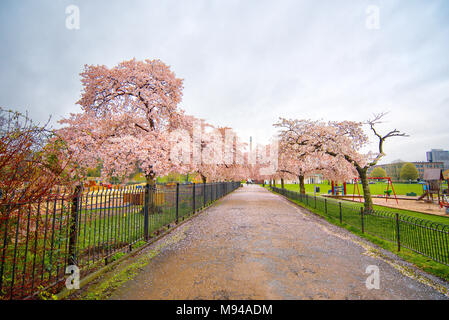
(409, 172)
(378, 172)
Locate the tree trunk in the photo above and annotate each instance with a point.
(270, 182)
(151, 182)
(302, 186)
(366, 190)
(203, 178)
(282, 183)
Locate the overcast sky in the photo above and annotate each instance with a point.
(246, 63)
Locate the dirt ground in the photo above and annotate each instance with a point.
(253, 244)
(409, 204)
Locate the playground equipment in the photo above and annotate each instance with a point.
(445, 203)
(433, 179)
(446, 178)
(138, 199)
(386, 192)
(338, 190)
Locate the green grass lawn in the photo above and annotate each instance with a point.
(376, 188)
(415, 214)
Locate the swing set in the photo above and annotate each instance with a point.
(387, 192)
(337, 190)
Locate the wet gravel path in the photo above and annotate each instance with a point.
(257, 245)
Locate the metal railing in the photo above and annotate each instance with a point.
(88, 228)
(422, 236)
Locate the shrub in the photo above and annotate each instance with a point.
(378, 172)
(409, 172)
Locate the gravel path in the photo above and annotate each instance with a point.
(257, 245)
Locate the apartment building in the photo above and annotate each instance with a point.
(438, 155)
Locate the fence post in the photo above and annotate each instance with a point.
(397, 231)
(204, 194)
(341, 220)
(361, 214)
(73, 226)
(193, 198)
(146, 212)
(315, 202)
(325, 205)
(177, 202)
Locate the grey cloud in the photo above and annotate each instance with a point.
(245, 63)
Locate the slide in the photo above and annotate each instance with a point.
(422, 196)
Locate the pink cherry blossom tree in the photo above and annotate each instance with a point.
(212, 152)
(352, 134)
(290, 167)
(127, 114)
(341, 140)
(296, 158)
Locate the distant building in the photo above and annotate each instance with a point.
(427, 165)
(438, 155)
(314, 179)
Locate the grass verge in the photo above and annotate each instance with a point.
(416, 214)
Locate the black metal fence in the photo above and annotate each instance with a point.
(422, 236)
(88, 228)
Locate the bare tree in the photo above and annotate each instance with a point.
(362, 169)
